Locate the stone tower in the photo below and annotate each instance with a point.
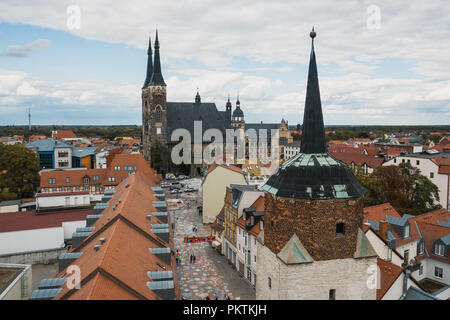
(313, 219)
(154, 108)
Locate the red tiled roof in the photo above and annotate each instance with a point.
(64, 134)
(358, 159)
(430, 233)
(75, 177)
(389, 272)
(379, 212)
(229, 166)
(29, 220)
(123, 160)
(124, 258)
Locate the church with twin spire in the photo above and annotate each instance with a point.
(161, 117)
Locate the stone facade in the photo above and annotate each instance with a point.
(314, 222)
(313, 281)
(154, 120)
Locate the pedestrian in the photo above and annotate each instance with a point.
(191, 258)
(217, 296)
(228, 297)
(194, 258)
(207, 297)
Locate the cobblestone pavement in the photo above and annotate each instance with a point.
(211, 273)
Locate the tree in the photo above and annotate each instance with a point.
(159, 156)
(19, 172)
(296, 136)
(403, 187)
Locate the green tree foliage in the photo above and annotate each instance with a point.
(403, 187)
(296, 136)
(19, 172)
(159, 155)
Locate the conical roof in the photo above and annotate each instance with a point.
(313, 173)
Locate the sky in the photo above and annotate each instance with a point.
(84, 62)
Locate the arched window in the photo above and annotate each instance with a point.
(340, 228)
(158, 114)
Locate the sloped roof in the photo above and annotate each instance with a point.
(29, 220)
(47, 145)
(430, 233)
(181, 115)
(119, 268)
(64, 134)
(123, 160)
(314, 176)
(359, 159)
(363, 247)
(379, 212)
(389, 272)
(294, 252)
(414, 293)
(75, 177)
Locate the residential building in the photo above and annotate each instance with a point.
(214, 185)
(237, 197)
(129, 253)
(291, 149)
(423, 238)
(249, 225)
(61, 200)
(217, 230)
(435, 166)
(52, 153)
(63, 135)
(24, 234)
(312, 245)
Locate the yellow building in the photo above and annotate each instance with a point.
(214, 186)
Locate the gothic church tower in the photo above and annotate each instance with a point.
(154, 120)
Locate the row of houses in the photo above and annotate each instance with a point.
(124, 253)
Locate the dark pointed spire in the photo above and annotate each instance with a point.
(228, 105)
(197, 97)
(313, 132)
(157, 78)
(149, 64)
(238, 103)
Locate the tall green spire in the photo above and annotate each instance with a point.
(313, 132)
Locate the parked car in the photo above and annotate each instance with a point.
(174, 191)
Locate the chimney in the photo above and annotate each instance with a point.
(405, 281)
(384, 226)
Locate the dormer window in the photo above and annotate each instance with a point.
(406, 231)
(421, 248)
(439, 249)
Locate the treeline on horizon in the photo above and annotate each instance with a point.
(112, 131)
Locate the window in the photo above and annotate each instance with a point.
(421, 248)
(86, 180)
(158, 114)
(95, 178)
(117, 168)
(332, 294)
(395, 160)
(406, 255)
(421, 270)
(431, 175)
(417, 162)
(67, 180)
(270, 283)
(254, 258)
(403, 160)
(409, 160)
(438, 272)
(406, 231)
(389, 255)
(439, 249)
(51, 180)
(340, 228)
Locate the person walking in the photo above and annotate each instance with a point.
(217, 296)
(191, 258)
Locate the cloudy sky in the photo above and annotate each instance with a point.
(380, 62)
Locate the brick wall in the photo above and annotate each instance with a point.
(314, 222)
